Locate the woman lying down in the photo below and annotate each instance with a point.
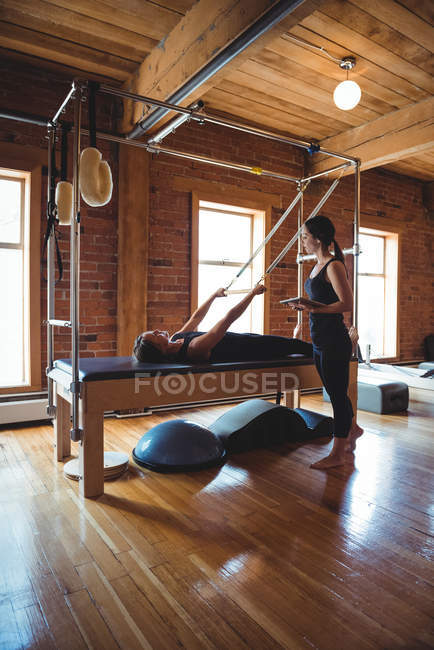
(218, 344)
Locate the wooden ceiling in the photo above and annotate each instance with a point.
(281, 82)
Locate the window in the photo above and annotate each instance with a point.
(225, 236)
(20, 334)
(378, 297)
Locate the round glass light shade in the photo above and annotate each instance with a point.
(347, 95)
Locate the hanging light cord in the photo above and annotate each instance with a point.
(314, 47)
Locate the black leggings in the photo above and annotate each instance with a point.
(333, 365)
(257, 347)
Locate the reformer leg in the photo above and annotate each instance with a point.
(62, 440)
(291, 399)
(91, 453)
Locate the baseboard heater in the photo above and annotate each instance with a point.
(33, 407)
(23, 408)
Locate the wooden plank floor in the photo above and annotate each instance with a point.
(261, 553)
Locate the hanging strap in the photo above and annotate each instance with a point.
(52, 218)
(270, 234)
(64, 152)
(92, 113)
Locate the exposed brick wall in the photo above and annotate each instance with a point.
(29, 90)
(383, 195)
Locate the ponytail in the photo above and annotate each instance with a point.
(338, 251)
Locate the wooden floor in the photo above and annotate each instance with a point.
(261, 553)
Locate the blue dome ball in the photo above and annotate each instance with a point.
(178, 445)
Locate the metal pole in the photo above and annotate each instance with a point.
(64, 103)
(174, 124)
(291, 243)
(258, 171)
(51, 409)
(74, 272)
(204, 118)
(356, 244)
(300, 266)
(308, 258)
(328, 171)
(263, 24)
(269, 236)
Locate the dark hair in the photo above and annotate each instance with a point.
(323, 229)
(143, 350)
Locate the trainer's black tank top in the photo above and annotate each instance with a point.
(325, 329)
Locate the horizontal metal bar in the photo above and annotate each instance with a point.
(231, 291)
(59, 323)
(238, 126)
(220, 263)
(204, 118)
(220, 163)
(328, 171)
(23, 117)
(118, 92)
(174, 124)
(64, 104)
(306, 258)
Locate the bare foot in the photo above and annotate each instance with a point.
(333, 460)
(353, 436)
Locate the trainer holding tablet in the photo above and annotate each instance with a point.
(330, 295)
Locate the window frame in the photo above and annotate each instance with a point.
(391, 275)
(27, 162)
(250, 206)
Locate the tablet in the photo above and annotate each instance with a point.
(302, 301)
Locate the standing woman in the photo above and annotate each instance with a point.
(332, 347)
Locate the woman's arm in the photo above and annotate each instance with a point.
(197, 317)
(337, 275)
(200, 347)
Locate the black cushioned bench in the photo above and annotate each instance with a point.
(119, 383)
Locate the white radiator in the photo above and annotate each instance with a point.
(23, 411)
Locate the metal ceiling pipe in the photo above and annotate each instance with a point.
(171, 126)
(262, 25)
(23, 117)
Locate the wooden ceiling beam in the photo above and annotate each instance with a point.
(394, 15)
(137, 16)
(70, 54)
(392, 137)
(199, 36)
(43, 17)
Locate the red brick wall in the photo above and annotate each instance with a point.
(31, 91)
(383, 196)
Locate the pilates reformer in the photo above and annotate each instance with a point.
(80, 390)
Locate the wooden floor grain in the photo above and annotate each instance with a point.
(263, 552)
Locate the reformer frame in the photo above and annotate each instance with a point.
(77, 95)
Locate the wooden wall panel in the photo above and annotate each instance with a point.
(132, 245)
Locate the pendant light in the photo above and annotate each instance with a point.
(347, 94)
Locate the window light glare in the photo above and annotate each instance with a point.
(347, 95)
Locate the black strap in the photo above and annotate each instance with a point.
(93, 85)
(64, 152)
(52, 218)
(51, 228)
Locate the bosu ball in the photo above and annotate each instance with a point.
(178, 446)
(182, 445)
